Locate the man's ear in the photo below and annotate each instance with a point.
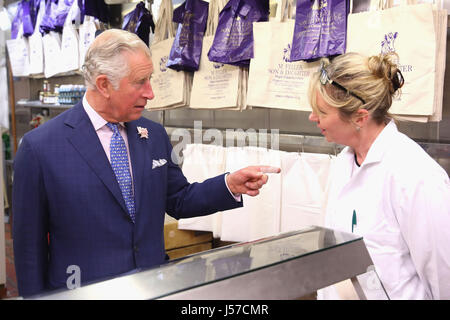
(361, 117)
(103, 85)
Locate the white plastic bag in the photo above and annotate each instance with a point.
(52, 53)
(260, 216)
(19, 57)
(86, 36)
(70, 59)
(203, 161)
(4, 103)
(36, 47)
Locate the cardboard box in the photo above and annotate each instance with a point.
(181, 252)
(174, 238)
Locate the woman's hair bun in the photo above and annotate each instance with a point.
(385, 67)
(397, 80)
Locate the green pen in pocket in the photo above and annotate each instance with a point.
(354, 222)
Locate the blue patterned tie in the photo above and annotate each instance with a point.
(119, 164)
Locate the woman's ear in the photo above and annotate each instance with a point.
(360, 118)
(103, 85)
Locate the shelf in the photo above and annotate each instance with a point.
(62, 74)
(38, 104)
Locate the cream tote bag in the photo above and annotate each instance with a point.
(440, 19)
(36, 47)
(440, 24)
(273, 81)
(409, 31)
(171, 87)
(215, 85)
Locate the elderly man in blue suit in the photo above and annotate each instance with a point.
(91, 186)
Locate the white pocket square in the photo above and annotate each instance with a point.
(158, 163)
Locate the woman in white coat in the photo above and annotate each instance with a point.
(385, 187)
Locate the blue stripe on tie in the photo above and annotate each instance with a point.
(120, 166)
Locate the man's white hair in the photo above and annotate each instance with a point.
(105, 56)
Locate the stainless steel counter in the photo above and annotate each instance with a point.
(287, 266)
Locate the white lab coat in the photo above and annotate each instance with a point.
(402, 201)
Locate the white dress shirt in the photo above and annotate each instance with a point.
(104, 133)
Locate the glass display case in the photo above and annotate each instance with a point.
(286, 266)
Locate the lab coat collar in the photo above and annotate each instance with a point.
(379, 147)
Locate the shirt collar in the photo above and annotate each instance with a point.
(379, 146)
(96, 119)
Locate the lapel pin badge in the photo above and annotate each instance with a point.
(143, 132)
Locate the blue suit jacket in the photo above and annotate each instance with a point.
(64, 186)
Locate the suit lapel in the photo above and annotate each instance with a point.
(85, 140)
(139, 155)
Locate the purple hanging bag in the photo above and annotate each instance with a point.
(320, 29)
(139, 21)
(233, 41)
(186, 50)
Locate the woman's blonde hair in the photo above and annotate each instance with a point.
(375, 80)
(105, 56)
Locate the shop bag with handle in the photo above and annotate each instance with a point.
(29, 14)
(407, 30)
(35, 42)
(170, 87)
(320, 29)
(233, 41)
(70, 59)
(274, 81)
(18, 52)
(95, 8)
(186, 50)
(18, 48)
(215, 85)
(139, 21)
(440, 18)
(16, 22)
(86, 35)
(49, 19)
(61, 13)
(51, 28)
(440, 25)
(52, 53)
